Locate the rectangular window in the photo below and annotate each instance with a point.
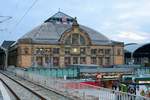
(55, 50)
(82, 51)
(100, 60)
(118, 52)
(93, 51)
(47, 61)
(39, 61)
(107, 60)
(93, 60)
(26, 51)
(82, 60)
(48, 50)
(55, 61)
(40, 51)
(107, 51)
(75, 60)
(67, 61)
(67, 50)
(100, 51)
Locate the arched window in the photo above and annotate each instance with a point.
(75, 39)
(82, 41)
(68, 40)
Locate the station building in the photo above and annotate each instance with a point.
(61, 41)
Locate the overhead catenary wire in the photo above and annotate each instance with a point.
(3, 20)
(24, 15)
(6, 18)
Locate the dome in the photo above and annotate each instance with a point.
(52, 29)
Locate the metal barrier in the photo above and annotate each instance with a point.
(81, 91)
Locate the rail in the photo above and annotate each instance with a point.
(39, 96)
(13, 93)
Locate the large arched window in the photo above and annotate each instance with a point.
(75, 39)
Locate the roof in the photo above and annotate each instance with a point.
(59, 15)
(52, 29)
(7, 44)
(50, 32)
(132, 47)
(107, 70)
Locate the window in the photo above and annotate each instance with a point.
(82, 51)
(75, 60)
(93, 60)
(100, 51)
(93, 51)
(68, 40)
(119, 52)
(47, 60)
(100, 60)
(107, 60)
(107, 51)
(67, 61)
(82, 60)
(47, 51)
(75, 39)
(82, 41)
(56, 50)
(39, 61)
(26, 50)
(55, 61)
(67, 50)
(39, 51)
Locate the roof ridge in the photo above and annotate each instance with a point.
(61, 13)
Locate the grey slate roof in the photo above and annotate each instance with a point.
(59, 15)
(50, 32)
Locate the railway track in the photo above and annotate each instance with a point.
(18, 90)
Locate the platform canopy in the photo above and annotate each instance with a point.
(134, 48)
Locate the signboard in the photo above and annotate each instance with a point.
(111, 76)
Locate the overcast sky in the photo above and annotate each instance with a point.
(121, 20)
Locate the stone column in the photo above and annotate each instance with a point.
(71, 58)
(104, 61)
(97, 60)
(61, 61)
(88, 60)
(78, 60)
(43, 61)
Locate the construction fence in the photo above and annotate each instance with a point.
(75, 89)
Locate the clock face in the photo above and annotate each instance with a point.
(75, 50)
